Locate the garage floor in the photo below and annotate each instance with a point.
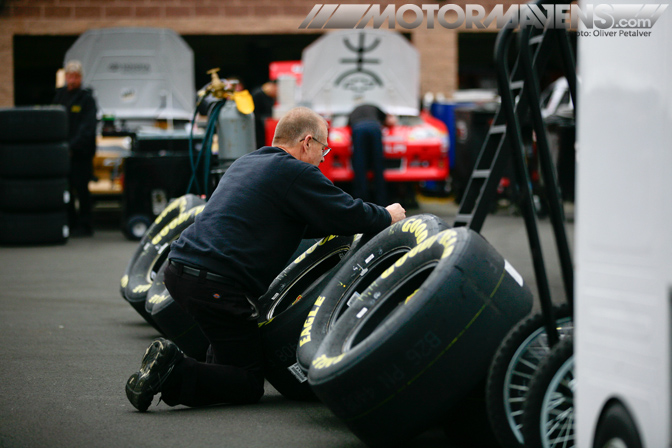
(69, 342)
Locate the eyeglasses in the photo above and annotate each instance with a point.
(326, 149)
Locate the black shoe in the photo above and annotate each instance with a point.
(157, 364)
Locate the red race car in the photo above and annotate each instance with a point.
(343, 69)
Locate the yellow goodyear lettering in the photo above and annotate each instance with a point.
(310, 250)
(182, 217)
(411, 296)
(308, 324)
(448, 240)
(142, 288)
(417, 228)
(177, 203)
(386, 273)
(322, 362)
(158, 298)
(407, 224)
(124, 281)
(413, 252)
(326, 239)
(261, 324)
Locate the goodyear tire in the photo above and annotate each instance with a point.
(371, 260)
(154, 253)
(616, 428)
(157, 289)
(284, 307)
(34, 228)
(34, 195)
(172, 211)
(175, 323)
(303, 246)
(432, 323)
(34, 160)
(516, 360)
(548, 414)
(34, 124)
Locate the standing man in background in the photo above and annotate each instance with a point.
(264, 100)
(366, 123)
(81, 108)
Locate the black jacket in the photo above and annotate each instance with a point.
(265, 203)
(81, 108)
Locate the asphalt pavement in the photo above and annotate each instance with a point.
(69, 342)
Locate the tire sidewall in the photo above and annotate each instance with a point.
(413, 354)
(180, 205)
(280, 329)
(34, 228)
(19, 124)
(34, 160)
(152, 253)
(34, 195)
(399, 238)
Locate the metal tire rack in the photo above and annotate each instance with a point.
(519, 92)
(518, 84)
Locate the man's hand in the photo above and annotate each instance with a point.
(396, 211)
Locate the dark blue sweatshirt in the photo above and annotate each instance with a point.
(265, 203)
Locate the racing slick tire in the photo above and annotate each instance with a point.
(362, 269)
(516, 360)
(283, 309)
(34, 228)
(153, 253)
(175, 323)
(34, 160)
(172, 211)
(34, 195)
(157, 290)
(423, 337)
(548, 413)
(34, 124)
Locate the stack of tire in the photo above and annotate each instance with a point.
(34, 167)
(394, 331)
(142, 283)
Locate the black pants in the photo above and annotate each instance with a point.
(367, 154)
(233, 372)
(80, 175)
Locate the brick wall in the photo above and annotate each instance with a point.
(154, 9)
(438, 47)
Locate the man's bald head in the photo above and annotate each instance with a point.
(296, 124)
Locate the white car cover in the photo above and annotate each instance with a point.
(345, 68)
(137, 73)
